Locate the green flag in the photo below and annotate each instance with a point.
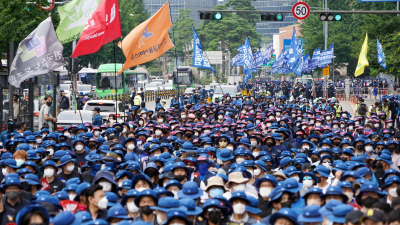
(74, 16)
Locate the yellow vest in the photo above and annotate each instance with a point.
(338, 110)
(386, 109)
(137, 100)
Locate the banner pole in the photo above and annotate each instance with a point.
(115, 80)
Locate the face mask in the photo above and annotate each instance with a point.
(146, 210)
(214, 217)
(44, 160)
(240, 187)
(327, 165)
(39, 141)
(328, 118)
(269, 124)
(351, 127)
(124, 130)
(243, 112)
(49, 172)
(296, 178)
(220, 117)
(71, 196)
(141, 122)
(392, 192)
(369, 201)
(70, 168)
(51, 151)
(265, 192)
(356, 123)
(160, 120)
(216, 192)
(219, 162)
(131, 147)
(239, 160)
(239, 208)
(4, 171)
(313, 202)
(20, 162)
(160, 220)
(376, 125)
(106, 185)
(349, 195)
(12, 195)
(158, 133)
(287, 204)
(183, 116)
(78, 147)
(335, 127)
(96, 133)
(318, 124)
(253, 143)
(368, 148)
(308, 183)
(132, 207)
(102, 204)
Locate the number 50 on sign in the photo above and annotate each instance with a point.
(301, 10)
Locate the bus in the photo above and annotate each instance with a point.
(143, 76)
(86, 75)
(109, 84)
(183, 76)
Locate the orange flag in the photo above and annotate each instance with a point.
(149, 40)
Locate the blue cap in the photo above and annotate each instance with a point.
(166, 203)
(311, 215)
(149, 193)
(118, 212)
(224, 154)
(190, 190)
(323, 171)
(339, 213)
(65, 218)
(328, 208)
(177, 213)
(252, 205)
(336, 190)
(284, 213)
(291, 185)
(190, 204)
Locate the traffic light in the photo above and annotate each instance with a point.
(210, 16)
(330, 17)
(272, 16)
(68, 63)
(76, 67)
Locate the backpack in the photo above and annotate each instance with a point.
(362, 109)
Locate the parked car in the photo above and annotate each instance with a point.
(153, 86)
(168, 86)
(107, 107)
(221, 90)
(68, 117)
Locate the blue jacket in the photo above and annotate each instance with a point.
(96, 120)
(3, 136)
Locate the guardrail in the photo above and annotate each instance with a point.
(148, 95)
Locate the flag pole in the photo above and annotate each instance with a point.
(176, 64)
(115, 80)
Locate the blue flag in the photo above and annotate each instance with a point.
(381, 55)
(326, 57)
(315, 58)
(298, 68)
(307, 63)
(293, 55)
(199, 60)
(245, 50)
(267, 54)
(258, 60)
(238, 60)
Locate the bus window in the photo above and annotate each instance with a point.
(109, 81)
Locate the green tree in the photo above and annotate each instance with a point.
(230, 32)
(183, 34)
(347, 35)
(133, 12)
(18, 19)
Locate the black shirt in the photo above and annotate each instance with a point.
(81, 157)
(56, 185)
(64, 177)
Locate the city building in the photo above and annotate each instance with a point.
(154, 5)
(268, 28)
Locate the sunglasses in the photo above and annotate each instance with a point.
(307, 178)
(213, 210)
(223, 141)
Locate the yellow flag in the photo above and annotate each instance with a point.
(149, 40)
(362, 60)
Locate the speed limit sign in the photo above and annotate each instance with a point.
(50, 6)
(301, 10)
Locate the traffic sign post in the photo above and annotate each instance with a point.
(50, 6)
(325, 71)
(301, 10)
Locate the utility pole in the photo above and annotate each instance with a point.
(73, 77)
(11, 87)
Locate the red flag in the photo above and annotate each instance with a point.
(69, 206)
(103, 27)
(45, 184)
